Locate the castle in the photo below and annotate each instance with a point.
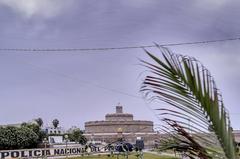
(120, 125)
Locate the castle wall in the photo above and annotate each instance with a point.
(117, 123)
(119, 117)
(113, 126)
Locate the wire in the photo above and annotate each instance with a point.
(114, 48)
(81, 81)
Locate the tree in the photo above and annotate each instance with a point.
(39, 121)
(36, 128)
(77, 136)
(55, 123)
(17, 138)
(191, 94)
(24, 124)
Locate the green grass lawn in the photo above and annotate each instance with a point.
(132, 156)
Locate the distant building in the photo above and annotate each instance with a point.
(55, 139)
(55, 135)
(50, 130)
(120, 125)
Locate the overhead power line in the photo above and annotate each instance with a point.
(114, 48)
(85, 82)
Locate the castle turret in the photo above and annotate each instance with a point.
(118, 125)
(116, 120)
(119, 109)
(119, 115)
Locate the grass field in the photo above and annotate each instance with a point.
(133, 156)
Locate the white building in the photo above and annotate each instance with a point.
(50, 130)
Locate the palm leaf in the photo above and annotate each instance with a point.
(189, 89)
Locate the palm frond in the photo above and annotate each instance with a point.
(188, 87)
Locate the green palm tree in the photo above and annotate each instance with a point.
(55, 123)
(39, 121)
(196, 122)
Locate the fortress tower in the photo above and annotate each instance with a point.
(107, 130)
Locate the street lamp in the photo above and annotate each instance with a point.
(66, 140)
(45, 141)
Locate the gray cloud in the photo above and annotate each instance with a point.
(54, 84)
(32, 8)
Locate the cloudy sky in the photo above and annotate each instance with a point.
(80, 86)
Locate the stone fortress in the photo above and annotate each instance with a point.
(120, 125)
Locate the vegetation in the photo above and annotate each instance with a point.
(17, 138)
(77, 136)
(39, 121)
(26, 136)
(196, 121)
(55, 123)
(37, 130)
